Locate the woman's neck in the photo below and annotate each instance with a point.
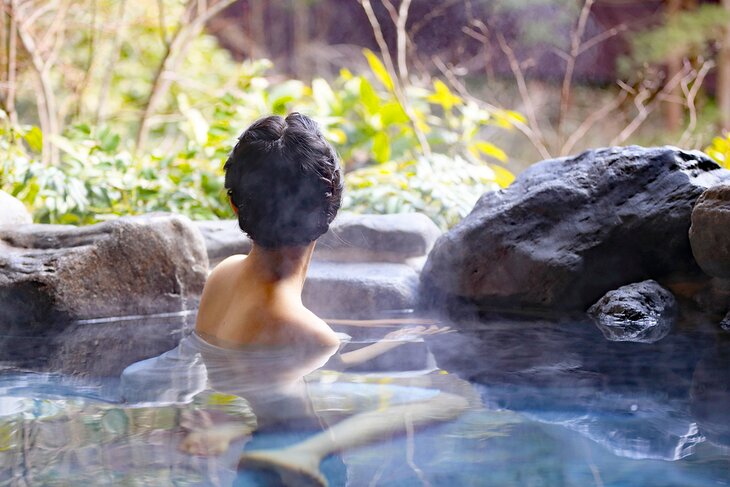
(281, 266)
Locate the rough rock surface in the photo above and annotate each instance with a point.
(351, 238)
(359, 290)
(641, 312)
(12, 211)
(568, 230)
(377, 238)
(132, 265)
(710, 231)
(223, 238)
(725, 323)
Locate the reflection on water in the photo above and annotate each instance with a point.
(547, 405)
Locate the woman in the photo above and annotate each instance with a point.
(285, 186)
(254, 339)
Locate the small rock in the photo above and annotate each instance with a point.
(13, 211)
(710, 231)
(359, 290)
(641, 312)
(725, 323)
(133, 265)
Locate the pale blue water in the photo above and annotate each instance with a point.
(560, 407)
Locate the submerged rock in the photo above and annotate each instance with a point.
(725, 323)
(710, 231)
(132, 265)
(568, 230)
(640, 312)
(12, 211)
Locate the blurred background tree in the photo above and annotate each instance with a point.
(112, 107)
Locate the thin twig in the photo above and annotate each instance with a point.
(524, 91)
(460, 88)
(12, 68)
(645, 109)
(591, 120)
(401, 31)
(173, 56)
(45, 97)
(398, 83)
(575, 42)
(111, 61)
(690, 97)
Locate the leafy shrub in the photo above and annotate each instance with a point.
(100, 177)
(719, 150)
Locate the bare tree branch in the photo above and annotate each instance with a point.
(591, 120)
(646, 104)
(111, 61)
(12, 67)
(524, 91)
(190, 26)
(575, 42)
(461, 89)
(45, 96)
(691, 95)
(398, 82)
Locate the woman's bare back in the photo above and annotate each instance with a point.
(241, 305)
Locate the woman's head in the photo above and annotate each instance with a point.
(285, 181)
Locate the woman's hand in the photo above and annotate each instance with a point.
(414, 332)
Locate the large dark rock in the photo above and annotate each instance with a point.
(568, 230)
(710, 231)
(12, 211)
(132, 265)
(641, 312)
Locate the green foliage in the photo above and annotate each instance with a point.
(719, 150)
(445, 188)
(685, 34)
(101, 174)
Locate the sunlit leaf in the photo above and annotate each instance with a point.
(369, 98)
(443, 96)
(34, 139)
(490, 150)
(378, 69)
(381, 147)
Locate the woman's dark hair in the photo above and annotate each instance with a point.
(285, 180)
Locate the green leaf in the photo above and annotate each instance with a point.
(381, 147)
(378, 69)
(490, 150)
(369, 98)
(34, 138)
(443, 96)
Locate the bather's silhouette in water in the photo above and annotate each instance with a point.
(255, 340)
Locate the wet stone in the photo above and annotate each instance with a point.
(710, 231)
(641, 312)
(568, 230)
(359, 290)
(398, 238)
(725, 323)
(129, 266)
